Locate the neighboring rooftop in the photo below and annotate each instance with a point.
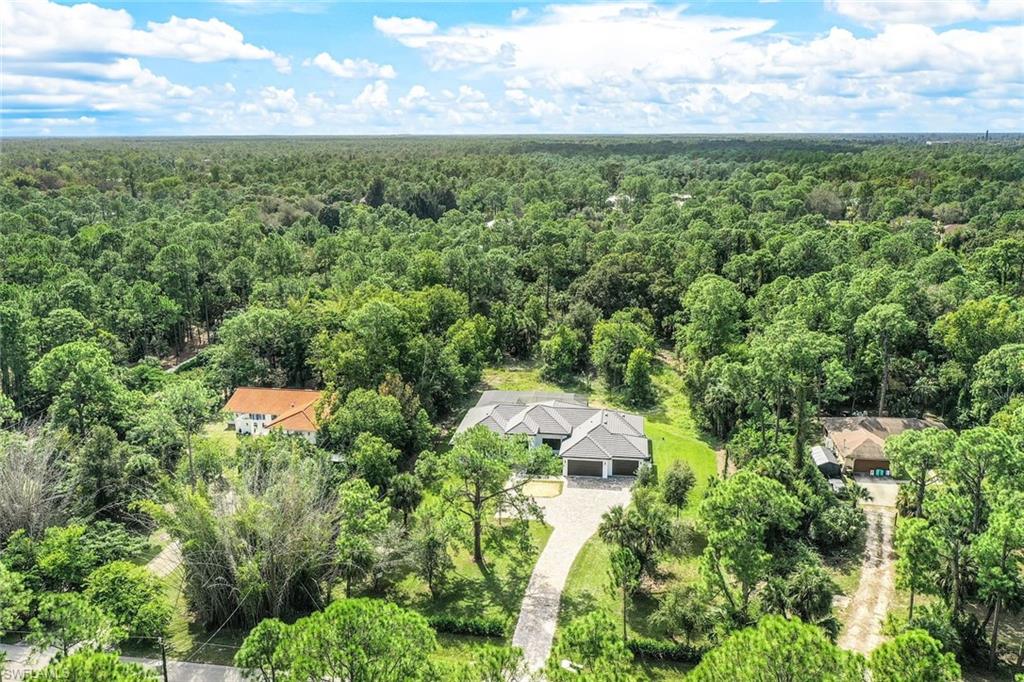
(822, 456)
(864, 437)
(294, 409)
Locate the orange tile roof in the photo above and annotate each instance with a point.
(303, 419)
(294, 408)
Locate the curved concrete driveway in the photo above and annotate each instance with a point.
(574, 516)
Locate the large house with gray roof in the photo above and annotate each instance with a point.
(591, 441)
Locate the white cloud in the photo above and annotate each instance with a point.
(274, 6)
(40, 29)
(632, 66)
(644, 66)
(934, 13)
(519, 13)
(399, 26)
(593, 40)
(373, 96)
(121, 86)
(417, 95)
(517, 83)
(50, 121)
(351, 68)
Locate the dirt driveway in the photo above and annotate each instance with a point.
(574, 515)
(870, 603)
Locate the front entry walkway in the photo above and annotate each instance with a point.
(574, 516)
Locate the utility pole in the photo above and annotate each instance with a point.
(163, 657)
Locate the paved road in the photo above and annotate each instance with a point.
(574, 516)
(20, 661)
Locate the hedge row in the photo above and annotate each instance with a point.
(480, 626)
(664, 650)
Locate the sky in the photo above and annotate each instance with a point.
(314, 67)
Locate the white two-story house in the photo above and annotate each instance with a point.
(256, 411)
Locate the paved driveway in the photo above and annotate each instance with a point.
(574, 516)
(883, 490)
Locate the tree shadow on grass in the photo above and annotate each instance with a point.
(496, 588)
(575, 605)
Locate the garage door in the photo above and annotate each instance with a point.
(583, 467)
(867, 465)
(624, 467)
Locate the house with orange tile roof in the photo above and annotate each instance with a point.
(257, 411)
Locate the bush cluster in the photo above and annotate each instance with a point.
(478, 626)
(664, 650)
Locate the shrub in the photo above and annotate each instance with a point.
(543, 462)
(478, 626)
(664, 650)
(646, 475)
(838, 526)
(132, 595)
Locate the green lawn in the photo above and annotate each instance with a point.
(226, 436)
(498, 591)
(674, 436)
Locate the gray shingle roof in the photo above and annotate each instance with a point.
(588, 432)
(822, 455)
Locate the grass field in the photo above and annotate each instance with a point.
(226, 436)
(496, 591)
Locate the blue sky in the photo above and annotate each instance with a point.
(235, 67)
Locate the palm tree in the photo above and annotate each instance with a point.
(857, 493)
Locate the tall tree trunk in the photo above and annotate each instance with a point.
(724, 585)
(956, 580)
(191, 466)
(885, 376)
(920, 495)
(994, 645)
(477, 546)
(625, 637)
(910, 610)
(798, 438)
(778, 414)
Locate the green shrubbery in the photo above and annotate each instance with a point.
(478, 626)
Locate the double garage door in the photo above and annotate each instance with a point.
(587, 467)
(863, 466)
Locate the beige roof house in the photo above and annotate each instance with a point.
(859, 442)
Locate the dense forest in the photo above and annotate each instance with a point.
(778, 279)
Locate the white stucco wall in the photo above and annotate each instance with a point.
(248, 424)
